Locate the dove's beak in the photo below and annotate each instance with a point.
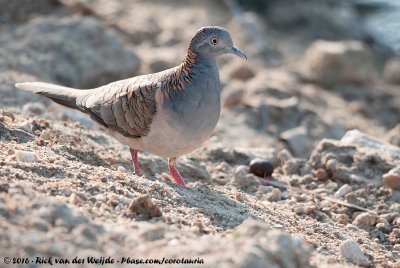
(234, 50)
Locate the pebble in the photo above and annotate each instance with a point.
(144, 205)
(8, 120)
(352, 252)
(392, 178)
(45, 135)
(239, 176)
(122, 169)
(296, 139)
(26, 126)
(261, 167)
(75, 199)
(364, 220)
(342, 191)
(322, 174)
(24, 156)
(275, 195)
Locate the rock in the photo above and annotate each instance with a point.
(122, 169)
(34, 108)
(26, 126)
(391, 71)
(24, 156)
(322, 174)
(343, 191)
(45, 135)
(239, 176)
(352, 252)
(75, 199)
(293, 166)
(364, 220)
(356, 137)
(392, 178)
(144, 205)
(330, 63)
(275, 195)
(66, 50)
(296, 138)
(261, 167)
(383, 226)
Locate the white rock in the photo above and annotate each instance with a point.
(25, 126)
(122, 169)
(356, 137)
(352, 252)
(75, 199)
(45, 135)
(343, 191)
(333, 63)
(24, 156)
(296, 139)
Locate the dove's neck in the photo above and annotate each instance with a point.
(194, 63)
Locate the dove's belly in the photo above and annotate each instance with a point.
(174, 133)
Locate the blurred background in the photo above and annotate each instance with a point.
(315, 69)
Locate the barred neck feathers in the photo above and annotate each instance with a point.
(185, 72)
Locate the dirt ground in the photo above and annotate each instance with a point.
(316, 98)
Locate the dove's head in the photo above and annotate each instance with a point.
(212, 41)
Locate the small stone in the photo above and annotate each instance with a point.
(45, 135)
(8, 120)
(122, 169)
(75, 199)
(275, 195)
(342, 191)
(299, 210)
(392, 178)
(296, 139)
(383, 227)
(239, 176)
(322, 174)
(352, 252)
(261, 167)
(364, 220)
(24, 156)
(338, 62)
(26, 126)
(144, 205)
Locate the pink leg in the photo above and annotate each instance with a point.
(174, 172)
(135, 161)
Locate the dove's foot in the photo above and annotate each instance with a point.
(174, 172)
(135, 161)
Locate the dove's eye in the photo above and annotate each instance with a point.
(214, 41)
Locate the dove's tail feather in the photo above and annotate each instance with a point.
(63, 95)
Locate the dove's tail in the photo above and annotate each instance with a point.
(63, 95)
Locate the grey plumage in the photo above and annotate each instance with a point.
(169, 113)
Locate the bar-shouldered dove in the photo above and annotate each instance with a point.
(170, 113)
